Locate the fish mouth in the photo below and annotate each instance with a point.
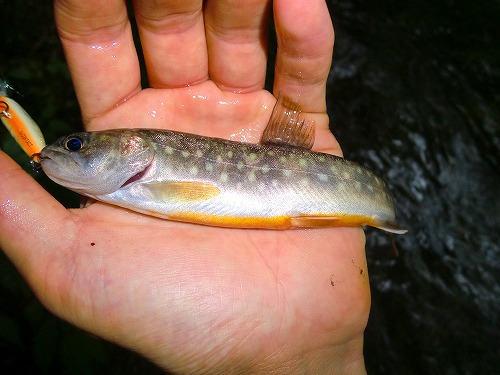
(136, 177)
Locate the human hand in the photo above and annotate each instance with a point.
(191, 298)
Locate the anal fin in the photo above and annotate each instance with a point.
(391, 228)
(315, 221)
(287, 126)
(324, 221)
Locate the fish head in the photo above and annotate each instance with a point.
(96, 163)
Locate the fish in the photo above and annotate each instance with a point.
(21, 126)
(278, 183)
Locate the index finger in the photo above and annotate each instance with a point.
(97, 39)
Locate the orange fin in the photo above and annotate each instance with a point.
(316, 221)
(343, 221)
(186, 191)
(288, 127)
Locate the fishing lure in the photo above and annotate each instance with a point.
(19, 123)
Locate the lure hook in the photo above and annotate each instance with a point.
(4, 109)
(35, 161)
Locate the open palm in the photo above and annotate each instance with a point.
(194, 299)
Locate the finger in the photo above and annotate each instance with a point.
(305, 45)
(173, 41)
(97, 40)
(237, 43)
(31, 222)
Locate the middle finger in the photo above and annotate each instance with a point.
(236, 32)
(173, 40)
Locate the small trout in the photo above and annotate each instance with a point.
(277, 184)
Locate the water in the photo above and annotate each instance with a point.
(413, 95)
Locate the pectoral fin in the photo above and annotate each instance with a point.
(186, 191)
(288, 127)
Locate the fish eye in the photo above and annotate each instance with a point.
(73, 144)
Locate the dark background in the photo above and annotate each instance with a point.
(413, 94)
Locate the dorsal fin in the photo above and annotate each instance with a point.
(288, 127)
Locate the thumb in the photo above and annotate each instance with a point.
(30, 220)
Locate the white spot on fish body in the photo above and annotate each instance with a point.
(346, 175)
(169, 150)
(303, 162)
(334, 169)
(199, 153)
(252, 156)
(265, 168)
(322, 177)
(193, 170)
(229, 154)
(287, 172)
(224, 176)
(240, 165)
(251, 177)
(185, 154)
(209, 167)
(219, 158)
